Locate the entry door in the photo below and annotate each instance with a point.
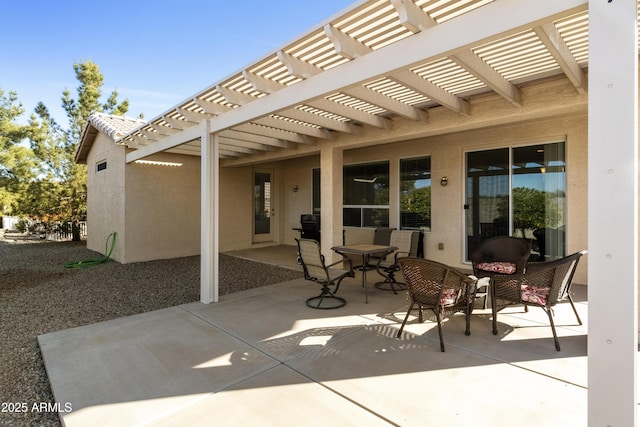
(263, 206)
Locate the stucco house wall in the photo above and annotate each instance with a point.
(447, 154)
(297, 173)
(162, 209)
(154, 210)
(235, 208)
(105, 196)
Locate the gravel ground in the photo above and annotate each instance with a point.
(38, 295)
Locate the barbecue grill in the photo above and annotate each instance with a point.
(309, 227)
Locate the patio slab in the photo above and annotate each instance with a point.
(262, 357)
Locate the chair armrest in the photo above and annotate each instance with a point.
(472, 286)
(342, 261)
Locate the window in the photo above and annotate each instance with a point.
(366, 195)
(100, 166)
(415, 193)
(519, 192)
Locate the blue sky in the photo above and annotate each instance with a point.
(155, 53)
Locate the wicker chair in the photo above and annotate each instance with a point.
(543, 284)
(500, 255)
(439, 288)
(407, 243)
(317, 271)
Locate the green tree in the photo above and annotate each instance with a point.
(417, 201)
(532, 209)
(10, 110)
(88, 101)
(17, 164)
(61, 191)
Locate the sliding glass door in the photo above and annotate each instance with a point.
(520, 192)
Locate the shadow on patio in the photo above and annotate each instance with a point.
(262, 357)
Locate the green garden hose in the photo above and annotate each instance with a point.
(95, 261)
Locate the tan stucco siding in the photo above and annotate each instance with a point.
(448, 159)
(160, 217)
(236, 203)
(162, 209)
(297, 173)
(105, 196)
(447, 154)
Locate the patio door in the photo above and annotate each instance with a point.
(263, 206)
(518, 191)
(487, 196)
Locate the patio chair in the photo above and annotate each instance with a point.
(543, 284)
(500, 255)
(437, 287)
(407, 243)
(381, 237)
(317, 271)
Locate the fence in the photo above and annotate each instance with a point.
(63, 231)
(9, 222)
(53, 231)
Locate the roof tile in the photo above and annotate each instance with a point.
(112, 125)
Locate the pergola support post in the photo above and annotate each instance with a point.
(209, 215)
(613, 213)
(331, 163)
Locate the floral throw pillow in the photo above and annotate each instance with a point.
(534, 294)
(449, 296)
(497, 267)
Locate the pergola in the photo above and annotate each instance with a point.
(384, 62)
(377, 60)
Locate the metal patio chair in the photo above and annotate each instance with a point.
(407, 243)
(316, 270)
(438, 287)
(543, 284)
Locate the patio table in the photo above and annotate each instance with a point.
(365, 250)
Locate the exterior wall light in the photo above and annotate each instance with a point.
(295, 188)
(444, 181)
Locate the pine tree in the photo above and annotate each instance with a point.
(63, 192)
(17, 163)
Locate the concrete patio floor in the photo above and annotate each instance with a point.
(262, 357)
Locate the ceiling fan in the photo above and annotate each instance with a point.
(366, 181)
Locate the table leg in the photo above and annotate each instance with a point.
(365, 261)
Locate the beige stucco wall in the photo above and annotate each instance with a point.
(162, 209)
(447, 159)
(447, 154)
(105, 196)
(236, 212)
(236, 201)
(157, 216)
(298, 173)
(160, 217)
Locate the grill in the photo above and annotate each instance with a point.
(310, 227)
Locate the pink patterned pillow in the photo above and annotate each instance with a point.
(449, 296)
(534, 294)
(497, 267)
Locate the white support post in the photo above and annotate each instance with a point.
(613, 212)
(331, 163)
(209, 215)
